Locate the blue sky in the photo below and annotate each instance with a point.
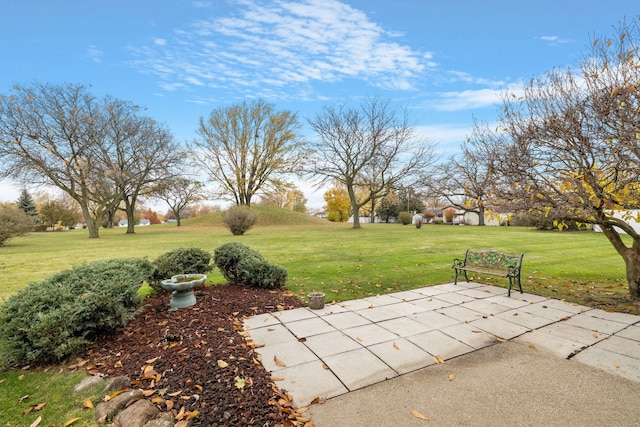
(446, 61)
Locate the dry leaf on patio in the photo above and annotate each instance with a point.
(452, 377)
(532, 346)
(396, 346)
(438, 359)
(279, 362)
(418, 415)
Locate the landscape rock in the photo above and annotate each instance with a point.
(137, 414)
(116, 383)
(163, 420)
(88, 383)
(107, 410)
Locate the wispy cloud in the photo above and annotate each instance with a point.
(284, 44)
(553, 40)
(94, 54)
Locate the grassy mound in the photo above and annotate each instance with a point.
(267, 216)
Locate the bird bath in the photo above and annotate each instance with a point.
(181, 287)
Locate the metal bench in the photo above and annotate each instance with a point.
(490, 262)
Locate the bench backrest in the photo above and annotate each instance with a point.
(492, 259)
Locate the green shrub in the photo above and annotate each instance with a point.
(13, 223)
(180, 261)
(239, 219)
(405, 218)
(51, 320)
(258, 273)
(241, 265)
(227, 258)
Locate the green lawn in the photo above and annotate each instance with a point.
(319, 256)
(347, 263)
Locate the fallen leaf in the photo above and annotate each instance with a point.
(595, 335)
(279, 362)
(148, 393)
(438, 359)
(87, 404)
(118, 364)
(318, 400)
(452, 377)
(616, 365)
(21, 377)
(532, 346)
(222, 363)
(23, 398)
(71, 421)
(240, 383)
(324, 366)
(418, 415)
(192, 415)
(276, 378)
(36, 422)
(358, 339)
(175, 393)
(150, 361)
(396, 346)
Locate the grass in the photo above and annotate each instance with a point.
(319, 256)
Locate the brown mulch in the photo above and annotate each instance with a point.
(196, 362)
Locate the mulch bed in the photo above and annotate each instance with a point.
(196, 363)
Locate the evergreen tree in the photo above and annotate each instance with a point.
(26, 205)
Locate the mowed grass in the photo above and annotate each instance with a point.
(346, 263)
(319, 256)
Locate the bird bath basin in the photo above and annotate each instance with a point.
(181, 287)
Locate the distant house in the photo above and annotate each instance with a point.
(143, 222)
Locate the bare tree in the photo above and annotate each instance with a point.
(371, 148)
(47, 136)
(179, 193)
(137, 153)
(571, 144)
(465, 180)
(247, 147)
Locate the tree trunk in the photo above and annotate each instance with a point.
(93, 224)
(480, 215)
(355, 208)
(631, 257)
(129, 207)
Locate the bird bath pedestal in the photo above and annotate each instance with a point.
(181, 287)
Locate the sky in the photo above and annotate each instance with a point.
(446, 62)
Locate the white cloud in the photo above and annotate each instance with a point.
(94, 54)
(467, 99)
(553, 40)
(284, 43)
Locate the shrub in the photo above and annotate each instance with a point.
(239, 219)
(405, 218)
(51, 320)
(13, 223)
(258, 273)
(227, 258)
(449, 214)
(242, 265)
(180, 261)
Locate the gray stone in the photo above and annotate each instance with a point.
(89, 382)
(107, 410)
(163, 420)
(116, 383)
(137, 414)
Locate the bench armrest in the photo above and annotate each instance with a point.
(457, 263)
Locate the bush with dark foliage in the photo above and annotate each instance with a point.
(242, 265)
(51, 320)
(180, 261)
